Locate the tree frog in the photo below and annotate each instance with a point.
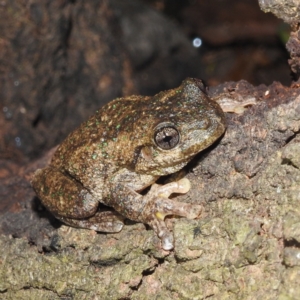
(123, 149)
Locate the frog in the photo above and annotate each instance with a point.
(115, 158)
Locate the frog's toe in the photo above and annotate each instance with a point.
(156, 212)
(167, 241)
(166, 237)
(181, 186)
(161, 205)
(193, 211)
(107, 221)
(103, 221)
(111, 227)
(167, 207)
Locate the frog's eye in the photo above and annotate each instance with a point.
(166, 136)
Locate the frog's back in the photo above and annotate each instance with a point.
(94, 144)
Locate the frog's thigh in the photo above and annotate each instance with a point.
(63, 195)
(105, 221)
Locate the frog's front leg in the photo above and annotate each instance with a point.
(155, 206)
(71, 203)
(159, 206)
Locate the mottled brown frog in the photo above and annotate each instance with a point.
(124, 148)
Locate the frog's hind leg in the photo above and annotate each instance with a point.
(104, 221)
(63, 195)
(71, 203)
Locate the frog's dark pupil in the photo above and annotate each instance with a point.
(167, 137)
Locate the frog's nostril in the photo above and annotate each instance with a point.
(204, 124)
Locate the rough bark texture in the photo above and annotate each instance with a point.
(245, 245)
(289, 11)
(293, 46)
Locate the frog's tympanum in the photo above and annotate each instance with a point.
(123, 149)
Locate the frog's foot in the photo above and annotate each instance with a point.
(235, 106)
(159, 206)
(104, 221)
